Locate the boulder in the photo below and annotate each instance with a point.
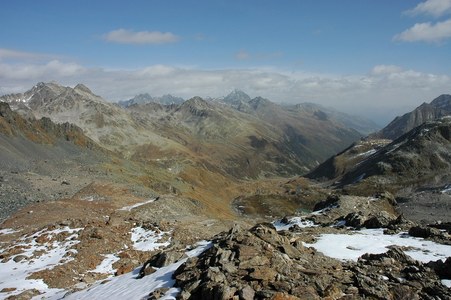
(330, 201)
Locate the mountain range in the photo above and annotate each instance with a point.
(411, 152)
(266, 139)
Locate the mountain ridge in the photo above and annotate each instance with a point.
(439, 107)
(294, 138)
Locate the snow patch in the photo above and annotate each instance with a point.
(447, 282)
(352, 246)
(6, 231)
(447, 189)
(147, 240)
(367, 153)
(106, 266)
(299, 221)
(129, 208)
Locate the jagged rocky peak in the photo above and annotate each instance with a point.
(260, 102)
(443, 102)
(237, 96)
(82, 87)
(196, 106)
(197, 102)
(439, 107)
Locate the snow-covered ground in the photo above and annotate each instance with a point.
(35, 256)
(147, 240)
(106, 266)
(352, 246)
(53, 251)
(127, 286)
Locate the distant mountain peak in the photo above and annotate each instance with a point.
(146, 98)
(259, 102)
(439, 107)
(236, 96)
(82, 87)
(442, 101)
(197, 101)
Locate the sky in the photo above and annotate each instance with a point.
(376, 59)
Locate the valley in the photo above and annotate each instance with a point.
(94, 189)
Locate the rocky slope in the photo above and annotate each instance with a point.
(104, 122)
(416, 167)
(439, 107)
(420, 157)
(41, 160)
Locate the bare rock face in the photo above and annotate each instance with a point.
(439, 107)
(262, 263)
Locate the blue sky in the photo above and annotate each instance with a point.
(373, 58)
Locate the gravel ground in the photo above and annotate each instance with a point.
(426, 207)
(31, 172)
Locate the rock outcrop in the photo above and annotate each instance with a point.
(262, 263)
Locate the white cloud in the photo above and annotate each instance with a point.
(53, 69)
(426, 32)
(434, 8)
(124, 36)
(385, 69)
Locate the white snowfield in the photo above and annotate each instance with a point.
(352, 246)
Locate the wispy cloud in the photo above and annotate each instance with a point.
(426, 32)
(385, 69)
(124, 36)
(12, 54)
(245, 55)
(435, 8)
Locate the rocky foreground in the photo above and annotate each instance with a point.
(122, 255)
(264, 263)
(261, 263)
